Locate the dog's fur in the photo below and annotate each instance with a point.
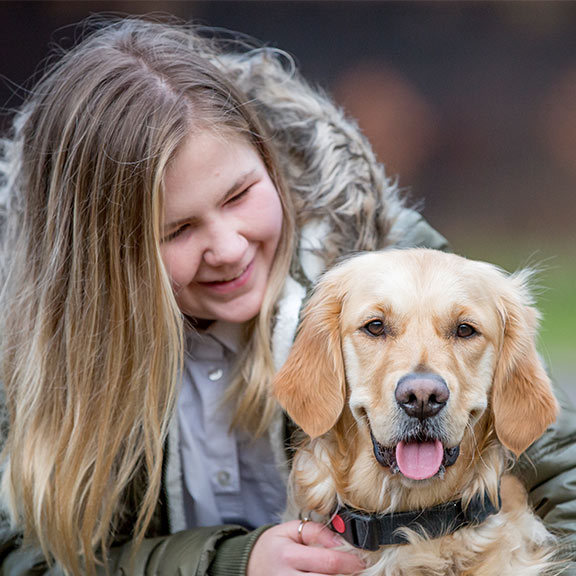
(339, 385)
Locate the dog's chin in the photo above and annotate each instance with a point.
(416, 459)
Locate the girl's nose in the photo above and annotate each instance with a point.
(225, 247)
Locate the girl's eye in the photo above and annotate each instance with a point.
(238, 196)
(173, 235)
(375, 328)
(465, 331)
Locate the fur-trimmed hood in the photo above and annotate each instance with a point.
(340, 190)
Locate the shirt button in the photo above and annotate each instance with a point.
(215, 374)
(223, 478)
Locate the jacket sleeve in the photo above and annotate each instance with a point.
(213, 551)
(548, 470)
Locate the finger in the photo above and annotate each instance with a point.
(323, 536)
(313, 533)
(325, 561)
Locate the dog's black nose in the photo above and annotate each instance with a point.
(422, 395)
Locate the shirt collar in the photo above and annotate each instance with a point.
(226, 333)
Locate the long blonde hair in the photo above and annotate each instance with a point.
(92, 340)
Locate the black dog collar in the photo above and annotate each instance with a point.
(370, 531)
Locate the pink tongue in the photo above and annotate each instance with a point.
(419, 460)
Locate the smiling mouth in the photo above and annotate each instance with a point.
(419, 459)
(229, 278)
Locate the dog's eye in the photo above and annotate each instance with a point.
(465, 331)
(375, 328)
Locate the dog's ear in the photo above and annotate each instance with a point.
(522, 398)
(311, 386)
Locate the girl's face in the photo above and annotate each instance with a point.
(222, 225)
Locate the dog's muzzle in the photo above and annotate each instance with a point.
(420, 454)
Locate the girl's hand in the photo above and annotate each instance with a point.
(279, 552)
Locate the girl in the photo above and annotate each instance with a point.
(169, 202)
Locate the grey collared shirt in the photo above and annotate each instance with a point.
(228, 476)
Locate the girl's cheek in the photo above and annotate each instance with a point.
(266, 214)
(183, 267)
(173, 265)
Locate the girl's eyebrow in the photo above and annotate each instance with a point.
(193, 220)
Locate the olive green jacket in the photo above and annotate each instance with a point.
(344, 203)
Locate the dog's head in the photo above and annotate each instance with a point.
(419, 345)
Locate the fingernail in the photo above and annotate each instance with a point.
(338, 540)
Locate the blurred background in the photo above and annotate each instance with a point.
(471, 105)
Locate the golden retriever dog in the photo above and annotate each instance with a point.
(416, 380)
